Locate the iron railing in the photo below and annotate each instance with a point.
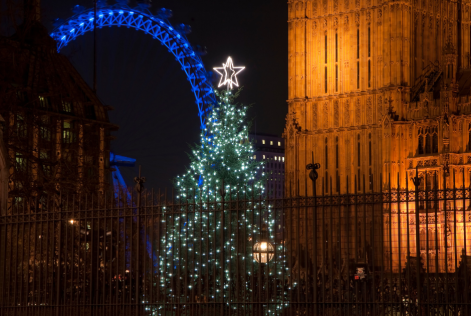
(149, 253)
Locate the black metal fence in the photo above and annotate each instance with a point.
(148, 253)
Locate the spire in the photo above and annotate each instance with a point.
(32, 11)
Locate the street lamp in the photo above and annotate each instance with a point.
(263, 251)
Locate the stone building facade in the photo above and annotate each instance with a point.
(377, 88)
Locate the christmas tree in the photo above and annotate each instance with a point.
(223, 156)
(211, 245)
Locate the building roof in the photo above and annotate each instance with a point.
(259, 146)
(30, 68)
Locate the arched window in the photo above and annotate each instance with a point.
(325, 79)
(325, 49)
(423, 240)
(431, 239)
(428, 143)
(369, 73)
(369, 42)
(370, 178)
(326, 154)
(435, 142)
(420, 145)
(337, 177)
(336, 78)
(358, 75)
(369, 150)
(337, 152)
(359, 149)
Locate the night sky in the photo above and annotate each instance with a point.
(152, 99)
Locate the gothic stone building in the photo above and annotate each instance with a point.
(376, 89)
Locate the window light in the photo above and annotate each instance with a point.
(263, 141)
(279, 143)
(263, 156)
(254, 156)
(283, 159)
(271, 142)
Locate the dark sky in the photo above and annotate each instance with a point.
(152, 99)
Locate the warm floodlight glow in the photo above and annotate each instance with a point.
(263, 246)
(228, 74)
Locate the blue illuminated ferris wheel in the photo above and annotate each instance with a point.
(158, 26)
(140, 18)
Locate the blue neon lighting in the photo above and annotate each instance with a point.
(159, 28)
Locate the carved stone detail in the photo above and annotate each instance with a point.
(325, 111)
(357, 112)
(336, 113)
(369, 110)
(347, 113)
(314, 7)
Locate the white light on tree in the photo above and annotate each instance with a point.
(228, 74)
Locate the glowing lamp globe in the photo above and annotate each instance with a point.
(263, 251)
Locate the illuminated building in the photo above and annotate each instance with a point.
(377, 89)
(271, 148)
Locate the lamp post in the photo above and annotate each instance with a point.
(416, 180)
(263, 251)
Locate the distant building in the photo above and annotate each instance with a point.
(57, 132)
(271, 148)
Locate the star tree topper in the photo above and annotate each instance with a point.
(228, 74)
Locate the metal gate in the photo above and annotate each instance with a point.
(396, 252)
